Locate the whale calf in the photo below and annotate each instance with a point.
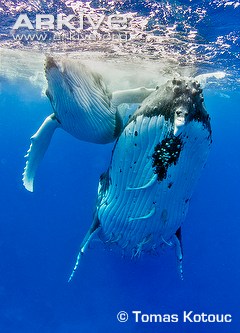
(144, 195)
(83, 106)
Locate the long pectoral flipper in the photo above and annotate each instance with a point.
(39, 144)
(131, 96)
(90, 234)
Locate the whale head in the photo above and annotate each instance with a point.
(180, 101)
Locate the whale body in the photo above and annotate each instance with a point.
(144, 195)
(83, 106)
(158, 156)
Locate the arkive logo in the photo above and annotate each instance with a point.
(80, 22)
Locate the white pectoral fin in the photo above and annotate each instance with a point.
(94, 229)
(202, 79)
(39, 144)
(131, 96)
(177, 238)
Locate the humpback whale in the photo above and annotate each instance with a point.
(160, 150)
(83, 106)
(144, 195)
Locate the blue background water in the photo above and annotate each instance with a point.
(40, 234)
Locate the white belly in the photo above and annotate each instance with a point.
(138, 211)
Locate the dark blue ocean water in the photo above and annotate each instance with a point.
(40, 232)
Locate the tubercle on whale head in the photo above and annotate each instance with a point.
(49, 63)
(57, 83)
(54, 69)
(187, 93)
(179, 101)
(188, 103)
(50, 67)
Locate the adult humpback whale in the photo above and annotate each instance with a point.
(143, 197)
(82, 106)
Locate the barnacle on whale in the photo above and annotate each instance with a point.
(165, 154)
